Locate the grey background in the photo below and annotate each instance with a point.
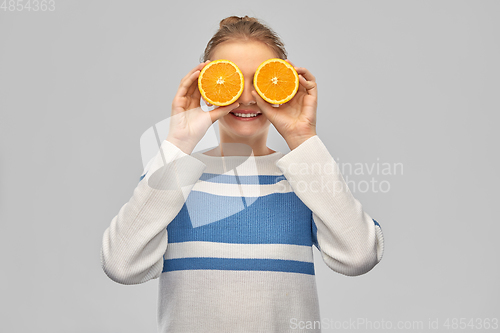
(411, 82)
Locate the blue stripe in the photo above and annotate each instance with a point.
(273, 265)
(245, 180)
(278, 218)
(144, 175)
(376, 223)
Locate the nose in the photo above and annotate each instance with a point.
(246, 97)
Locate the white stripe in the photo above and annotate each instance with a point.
(245, 190)
(239, 251)
(244, 165)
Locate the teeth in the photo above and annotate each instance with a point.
(246, 115)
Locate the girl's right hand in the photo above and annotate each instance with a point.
(188, 122)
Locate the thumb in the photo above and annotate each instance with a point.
(266, 108)
(221, 111)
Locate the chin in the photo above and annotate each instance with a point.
(246, 134)
(244, 130)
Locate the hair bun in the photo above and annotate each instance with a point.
(235, 28)
(235, 19)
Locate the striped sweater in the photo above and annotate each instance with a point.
(230, 238)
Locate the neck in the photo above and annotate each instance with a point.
(242, 146)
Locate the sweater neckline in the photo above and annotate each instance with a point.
(244, 157)
(246, 165)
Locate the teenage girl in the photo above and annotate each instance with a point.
(229, 232)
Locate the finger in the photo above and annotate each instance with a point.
(307, 80)
(265, 107)
(189, 77)
(187, 83)
(193, 88)
(198, 67)
(310, 86)
(305, 73)
(221, 111)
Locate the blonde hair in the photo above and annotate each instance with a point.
(244, 28)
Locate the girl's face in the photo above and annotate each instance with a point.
(247, 55)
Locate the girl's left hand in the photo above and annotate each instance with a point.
(296, 119)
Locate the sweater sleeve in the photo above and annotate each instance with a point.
(134, 244)
(350, 241)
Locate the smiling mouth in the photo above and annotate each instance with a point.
(246, 114)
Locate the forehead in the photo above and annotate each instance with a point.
(247, 55)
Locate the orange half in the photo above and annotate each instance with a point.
(276, 81)
(221, 82)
